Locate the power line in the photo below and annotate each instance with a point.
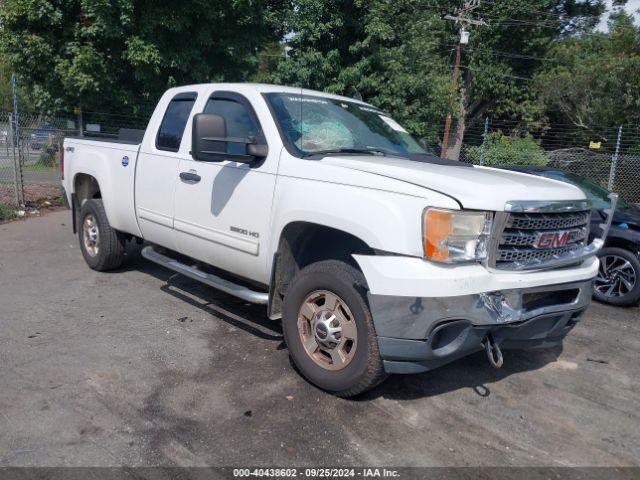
(500, 53)
(539, 13)
(515, 77)
(461, 17)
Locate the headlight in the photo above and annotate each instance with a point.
(451, 236)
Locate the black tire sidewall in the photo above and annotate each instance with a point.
(633, 297)
(89, 208)
(299, 289)
(111, 252)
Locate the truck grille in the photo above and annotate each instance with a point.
(528, 239)
(539, 221)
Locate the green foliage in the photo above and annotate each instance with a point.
(505, 54)
(6, 89)
(594, 79)
(509, 150)
(387, 52)
(47, 159)
(121, 55)
(398, 55)
(7, 213)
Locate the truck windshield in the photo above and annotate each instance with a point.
(313, 125)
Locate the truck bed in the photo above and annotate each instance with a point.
(112, 163)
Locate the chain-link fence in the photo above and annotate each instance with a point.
(609, 156)
(29, 157)
(10, 192)
(30, 161)
(30, 150)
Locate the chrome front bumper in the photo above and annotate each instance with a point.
(419, 334)
(427, 315)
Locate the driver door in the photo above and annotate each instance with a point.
(223, 208)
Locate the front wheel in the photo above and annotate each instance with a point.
(329, 330)
(618, 280)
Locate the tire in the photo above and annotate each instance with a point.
(362, 369)
(109, 251)
(618, 280)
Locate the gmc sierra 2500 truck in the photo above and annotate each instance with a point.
(378, 257)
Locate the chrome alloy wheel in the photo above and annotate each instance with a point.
(91, 235)
(616, 276)
(327, 330)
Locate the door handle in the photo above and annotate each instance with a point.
(191, 176)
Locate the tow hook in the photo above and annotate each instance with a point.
(494, 354)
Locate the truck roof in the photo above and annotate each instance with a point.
(262, 88)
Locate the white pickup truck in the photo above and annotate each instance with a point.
(378, 257)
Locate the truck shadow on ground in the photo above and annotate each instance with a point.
(472, 372)
(237, 313)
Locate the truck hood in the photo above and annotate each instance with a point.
(479, 188)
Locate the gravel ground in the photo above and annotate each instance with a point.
(34, 194)
(137, 368)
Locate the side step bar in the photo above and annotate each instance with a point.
(213, 281)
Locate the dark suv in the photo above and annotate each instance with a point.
(618, 281)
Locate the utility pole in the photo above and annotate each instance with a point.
(460, 18)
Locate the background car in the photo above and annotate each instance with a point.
(39, 137)
(618, 281)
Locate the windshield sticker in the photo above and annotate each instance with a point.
(308, 100)
(392, 123)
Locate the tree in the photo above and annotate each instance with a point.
(120, 55)
(384, 51)
(397, 55)
(593, 79)
(502, 57)
(6, 88)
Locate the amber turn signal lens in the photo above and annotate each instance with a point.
(438, 227)
(451, 236)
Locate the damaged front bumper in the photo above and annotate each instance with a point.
(428, 314)
(422, 333)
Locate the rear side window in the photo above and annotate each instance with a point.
(241, 122)
(174, 121)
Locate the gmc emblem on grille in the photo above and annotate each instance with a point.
(557, 239)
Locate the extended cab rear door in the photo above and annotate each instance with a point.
(222, 217)
(157, 169)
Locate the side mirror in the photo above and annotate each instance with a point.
(209, 141)
(208, 137)
(258, 150)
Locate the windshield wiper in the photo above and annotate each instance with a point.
(365, 151)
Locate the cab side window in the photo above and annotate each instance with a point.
(241, 123)
(174, 121)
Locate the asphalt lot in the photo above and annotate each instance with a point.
(128, 368)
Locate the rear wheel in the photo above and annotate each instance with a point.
(329, 330)
(103, 248)
(618, 280)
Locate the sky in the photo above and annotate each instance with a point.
(631, 7)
